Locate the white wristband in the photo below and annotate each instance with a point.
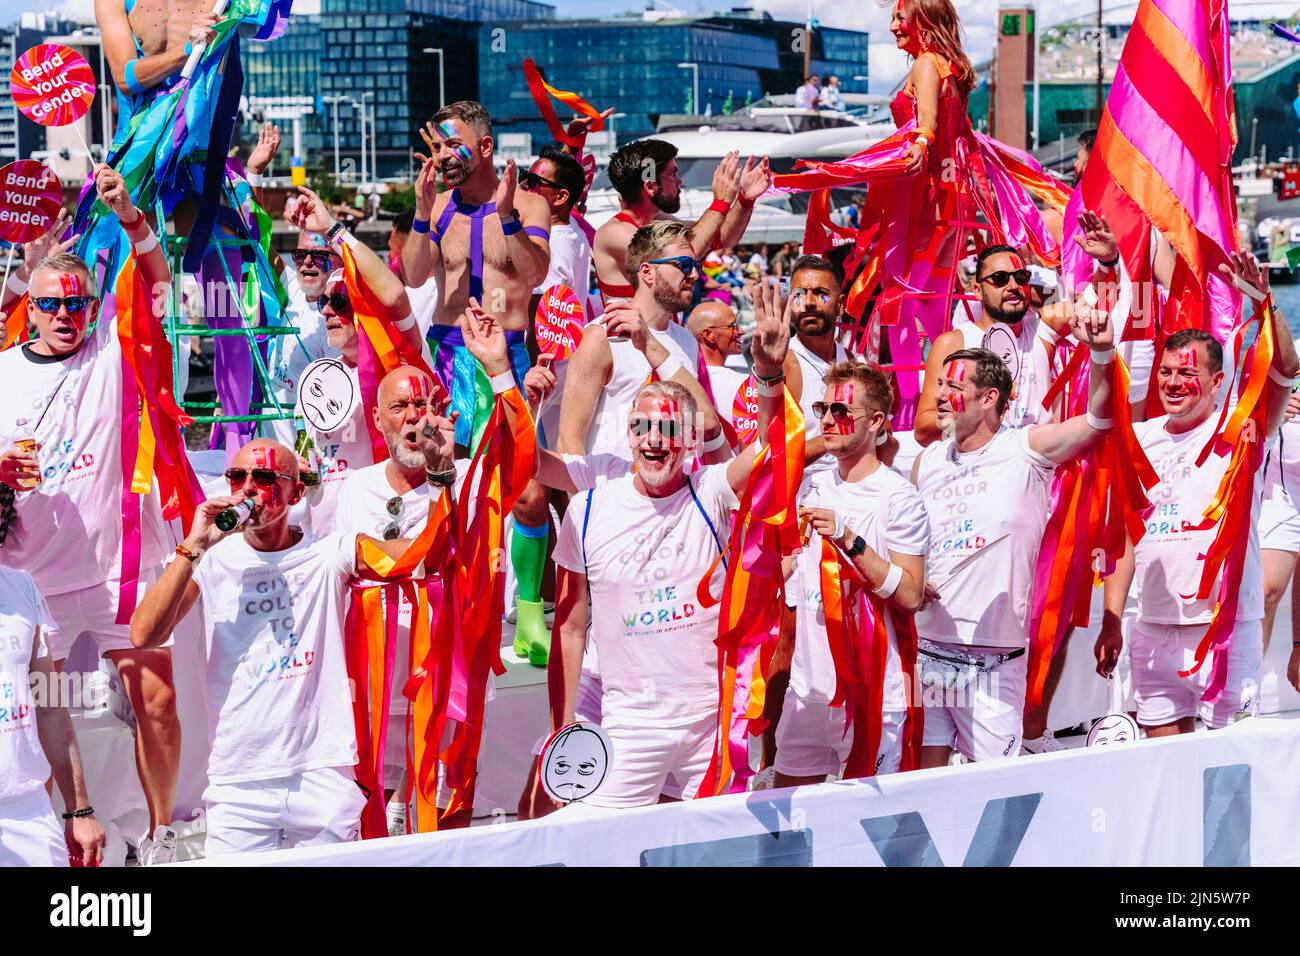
(1049, 335)
(1100, 424)
(16, 285)
(405, 323)
(503, 382)
(146, 245)
(774, 390)
(890, 584)
(714, 443)
(1105, 357)
(1278, 378)
(254, 179)
(668, 368)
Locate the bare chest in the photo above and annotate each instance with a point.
(155, 21)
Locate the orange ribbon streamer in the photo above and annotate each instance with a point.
(539, 89)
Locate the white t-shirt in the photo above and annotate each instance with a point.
(1031, 373)
(608, 430)
(275, 678)
(885, 511)
(23, 767)
(644, 558)
(67, 532)
(725, 383)
(1168, 563)
(570, 260)
(987, 509)
(1282, 467)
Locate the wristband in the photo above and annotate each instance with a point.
(538, 232)
(438, 480)
(774, 380)
(1278, 378)
(747, 203)
(714, 443)
(771, 389)
(925, 131)
(189, 47)
(1049, 335)
(185, 552)
(145, 245)
(254, 180)
(720, 205)
(332, 234)
(890, 584)
(503, 382)
(420, 225)
(16, 285)
(404, 323)
(1109, 265)
(1100, 424)
(511, 226)
(132, 84)
(1103, 357)
(78, 814)
(668, 368)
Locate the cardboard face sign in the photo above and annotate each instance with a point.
(32, 199)
(52, 85)
(744, 411)
(559, 322)
(1113, 729)
(576, 761)
(1004, 345)
(326, 395)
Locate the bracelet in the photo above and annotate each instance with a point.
(132, 84)
(1277, 378)
(747, 203)
(404, 323)
(185, 552)
(668, 368)
(16, 285)
(511, 226)
(771, 389)
(145, 245)
(332, 234)
(719, 205)
(925, 131)
(1109, 265)
(778, 377)
(890, 584)
(1100, 424)
(503, 382)
(442, 479)
(420, 225)
(78, 814)
(1104, 356)
(714, 443)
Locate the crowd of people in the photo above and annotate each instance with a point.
(647, 437)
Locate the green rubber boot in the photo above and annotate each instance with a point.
(532, 636)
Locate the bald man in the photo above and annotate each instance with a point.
(283, 747)
(715, 328)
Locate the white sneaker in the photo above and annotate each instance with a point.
(1045, 744)
(396, 812)
(765, 779)
(159, 850)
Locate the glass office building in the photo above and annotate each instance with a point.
(633, 63)
(373, 53)
(281, 78)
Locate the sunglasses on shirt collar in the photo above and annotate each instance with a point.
(686, 264)
(263, 477)
(1002, 277)
(73, 303)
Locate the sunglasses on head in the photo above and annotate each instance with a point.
(264, 477)
(668, 428)
(531, 180)
(338, 301)
(839, 411)
(73, 303)
(1002, 277)
(687, 265)
(321, 260)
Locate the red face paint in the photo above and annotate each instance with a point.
(1017, 263)
(843, 394)
(663, 407)
(264, 457)
(1188, 358)
(418, 387)
(956, 373)
(70, 282)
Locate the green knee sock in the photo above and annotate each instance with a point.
(528, 555)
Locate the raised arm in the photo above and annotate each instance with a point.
(755, 179)
(418, 251)
(526, 224)
(34, 253)
(1243, 271)
(769, 348)
(590, 367)
(133, 73)
(1064, 441)
(149, 253)
(926, 430)
(726, 184)
(268, 146)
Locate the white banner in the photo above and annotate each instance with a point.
(1226, 798)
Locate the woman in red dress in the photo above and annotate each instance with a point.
(931, 187)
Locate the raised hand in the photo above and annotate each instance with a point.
(1246, 274)
(755, 178)
(1095, 237)
(725, 185)
(1093, 327)
(44, 246)
(204, 532)
(311, 214)
(540, 381)
(268, 144)
(436, 436)
(113, 194)
(771, 339)
(426, 187)
(485, 339)
(580, 126)
(622, 320)
(430, 136)
(504, 197)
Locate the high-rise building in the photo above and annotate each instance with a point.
(646, 65)
(373, 56)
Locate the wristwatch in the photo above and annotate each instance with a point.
(858, 546)
(444, 479)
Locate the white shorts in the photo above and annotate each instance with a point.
(984, 720)
(1279, 526)
(1159, 651)
(312, 808)
(811, 739)
(30, 834)
(93, 611)
(650, 761)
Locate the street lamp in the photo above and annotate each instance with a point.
(374, 137)
(334, 100)
(442, 95)
(695, 96)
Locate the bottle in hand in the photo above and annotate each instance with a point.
(236, 516)
(25, 441)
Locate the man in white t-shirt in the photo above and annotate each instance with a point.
(638, 541)
(717, 332)
(1168, 561)
(280, 723)
(985, 489)
(36, 735)
(67, 530)
(876, 518)
(348, 446)
(607, 369)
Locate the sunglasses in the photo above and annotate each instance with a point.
(531, 180)
(395, 506)
(338, 301)
(839, 411)
(668, 428)
(687, 265)
(1002, 277)
(263, 477)
(321, 260)
(73, 303)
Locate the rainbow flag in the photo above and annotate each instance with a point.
(1163, 159)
